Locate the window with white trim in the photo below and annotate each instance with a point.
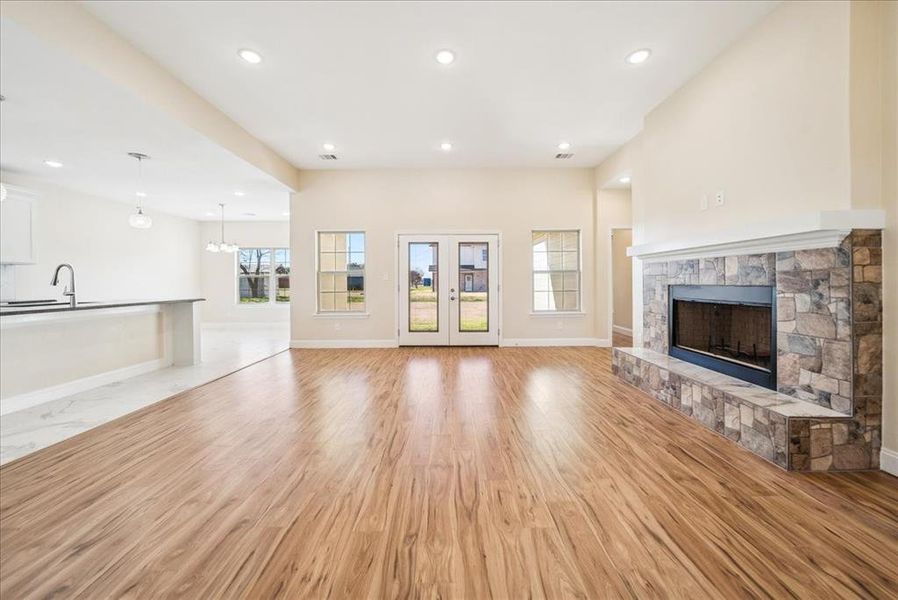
(341, 271)
(263, 275)
(556, 271)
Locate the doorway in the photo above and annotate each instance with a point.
(621, 287)
(448, 290)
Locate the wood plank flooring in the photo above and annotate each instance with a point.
(440, 473)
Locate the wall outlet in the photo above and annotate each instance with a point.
(719, 198)
(337, 326)
(385, 277)
(559, 325)
(703, 205)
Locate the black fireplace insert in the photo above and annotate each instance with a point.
(726, 328)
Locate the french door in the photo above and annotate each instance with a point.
(448, 288)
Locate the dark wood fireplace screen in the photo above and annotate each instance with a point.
(727, 328)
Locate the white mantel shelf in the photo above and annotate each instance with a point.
(821, 229)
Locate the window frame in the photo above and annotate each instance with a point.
(272, 277)
(364, 270)
(533, 272)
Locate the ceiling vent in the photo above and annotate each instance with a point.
(327, 156)
(564, 155)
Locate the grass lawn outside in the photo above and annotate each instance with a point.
(423, 310)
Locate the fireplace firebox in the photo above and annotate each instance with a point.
(726, 328)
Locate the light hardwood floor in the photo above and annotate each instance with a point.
(450, 473)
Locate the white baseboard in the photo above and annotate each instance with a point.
(29, 399)
(623, 330)
(888, 461)
(343, 344)
(246, 325)
(511, 342)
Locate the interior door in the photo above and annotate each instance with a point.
(448, 292)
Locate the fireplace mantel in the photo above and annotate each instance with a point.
(819, 229)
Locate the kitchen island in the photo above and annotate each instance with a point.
(51, 350)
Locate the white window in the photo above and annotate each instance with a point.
(263, 275)
(556, 271)
(341, 271)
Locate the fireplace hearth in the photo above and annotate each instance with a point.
(729, 329)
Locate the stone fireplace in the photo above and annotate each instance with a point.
(779, 351)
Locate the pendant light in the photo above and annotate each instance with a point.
(222, 245)
(139, 220)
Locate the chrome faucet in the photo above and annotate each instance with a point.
(70, 290)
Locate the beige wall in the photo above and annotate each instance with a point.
(112, 260)
(622, 278)
(219, 283)
(384, 202)
(889, 68)
(613, 210)
(767, 122)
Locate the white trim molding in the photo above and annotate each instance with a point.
(821, 229)
(344, 343)
(622, 330)
(511, 342)
(33, 398)
(888, 461)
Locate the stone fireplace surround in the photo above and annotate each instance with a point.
(826, 414)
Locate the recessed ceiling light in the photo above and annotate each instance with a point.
(209, 213)
(639, 56)
(624, 179)
(445, 57)
(286, 213)
(53, 163)
(249, 214)
(140, 194)
(328, 147)
(446, 146)
(239, 193)
(564, 146)
(250, 56)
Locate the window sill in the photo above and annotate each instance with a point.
(557, 313)
(341, 315)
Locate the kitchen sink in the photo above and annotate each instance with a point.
(39, 303)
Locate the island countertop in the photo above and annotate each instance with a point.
(7, 310)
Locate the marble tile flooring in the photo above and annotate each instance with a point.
(226, 348)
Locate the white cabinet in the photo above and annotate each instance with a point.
(16, 243)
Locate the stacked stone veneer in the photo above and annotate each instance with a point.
(748, 422)
(829, 339)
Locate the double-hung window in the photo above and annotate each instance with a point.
(341, 271)
(263, 275)
(556, 271)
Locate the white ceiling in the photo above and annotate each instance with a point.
(56, 108)
(362, 74)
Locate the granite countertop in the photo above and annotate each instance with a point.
(7, 310)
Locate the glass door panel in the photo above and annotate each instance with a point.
(423, 293)
(423, 282)
(473, 286)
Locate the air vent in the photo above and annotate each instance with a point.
(564, 155)
(327, 156)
